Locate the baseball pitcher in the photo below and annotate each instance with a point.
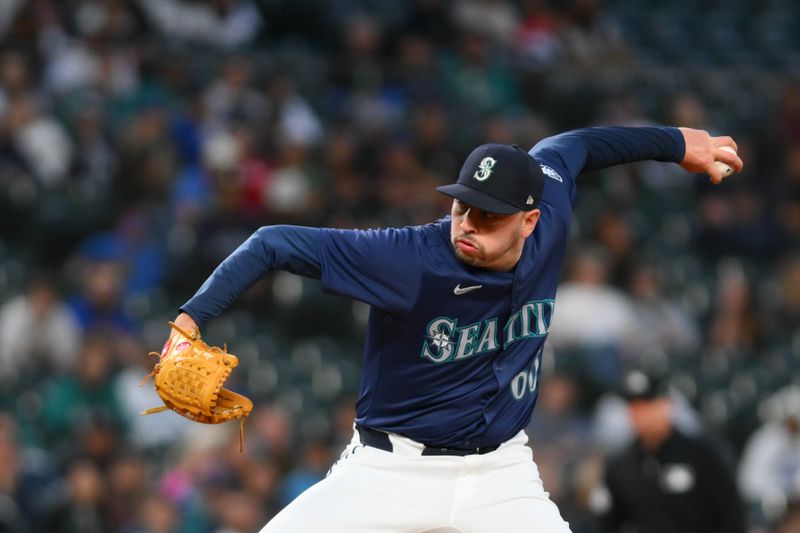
(460, 310)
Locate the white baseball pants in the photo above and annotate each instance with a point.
(374, 491)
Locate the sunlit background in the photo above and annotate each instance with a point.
(141, 141)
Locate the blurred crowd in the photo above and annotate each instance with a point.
(141, 141)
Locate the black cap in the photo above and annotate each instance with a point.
(641, 385)
(498, 178)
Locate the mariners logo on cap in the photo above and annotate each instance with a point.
(485, 168)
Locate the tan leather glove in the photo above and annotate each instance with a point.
(189, 378)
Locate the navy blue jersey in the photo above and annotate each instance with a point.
(452, 352)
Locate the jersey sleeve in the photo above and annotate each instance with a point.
(380, 267)
(565, 156)
(588, 149)
(290, 248)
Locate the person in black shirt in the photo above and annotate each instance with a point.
(666, 481)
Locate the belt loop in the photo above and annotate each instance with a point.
(374, 438)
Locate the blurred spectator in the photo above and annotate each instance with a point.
(688, 108)
(538, 39)
(40, 142)
(79, 403)
(787, 304)
(431, 138)
(788, 115)
(497, 20)
(17, 504)
(239, 512)
(82, 509)
(292, 186)
(130, 260)
(39, 336)
(290, 192)
(741, 219)
(791, 519)
(734, 326)
(96, 159)
(89, 64)
(789, 204)
(156, 515)
(769, 473)
(262, 480)
(358, 92)
(223, 23)
(594, 318)
(232, 98)
(127, 490)
(431, 19)
(558, 423)
(615, 232)
(15, 79)
(415, 72)
(404, 183)
(315, 459)
(191, 473)
(296, 123)
(98, 305)
(8, 12)
(274, 429)
(666, 327)
(592, 41)
(477, 81)
(666, 481)
(347, 195)
(148, 157)
(222, 155)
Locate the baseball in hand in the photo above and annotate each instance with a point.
(726, 169)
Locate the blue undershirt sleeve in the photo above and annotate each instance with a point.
(290, 248)
(588, 149)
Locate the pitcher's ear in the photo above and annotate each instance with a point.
(529, 220)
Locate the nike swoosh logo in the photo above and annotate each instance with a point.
(458, 290)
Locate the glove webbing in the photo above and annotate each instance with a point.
(157, 367)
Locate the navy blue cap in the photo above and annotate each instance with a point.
(498, 178)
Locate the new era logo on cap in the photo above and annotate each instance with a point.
(498, 178)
